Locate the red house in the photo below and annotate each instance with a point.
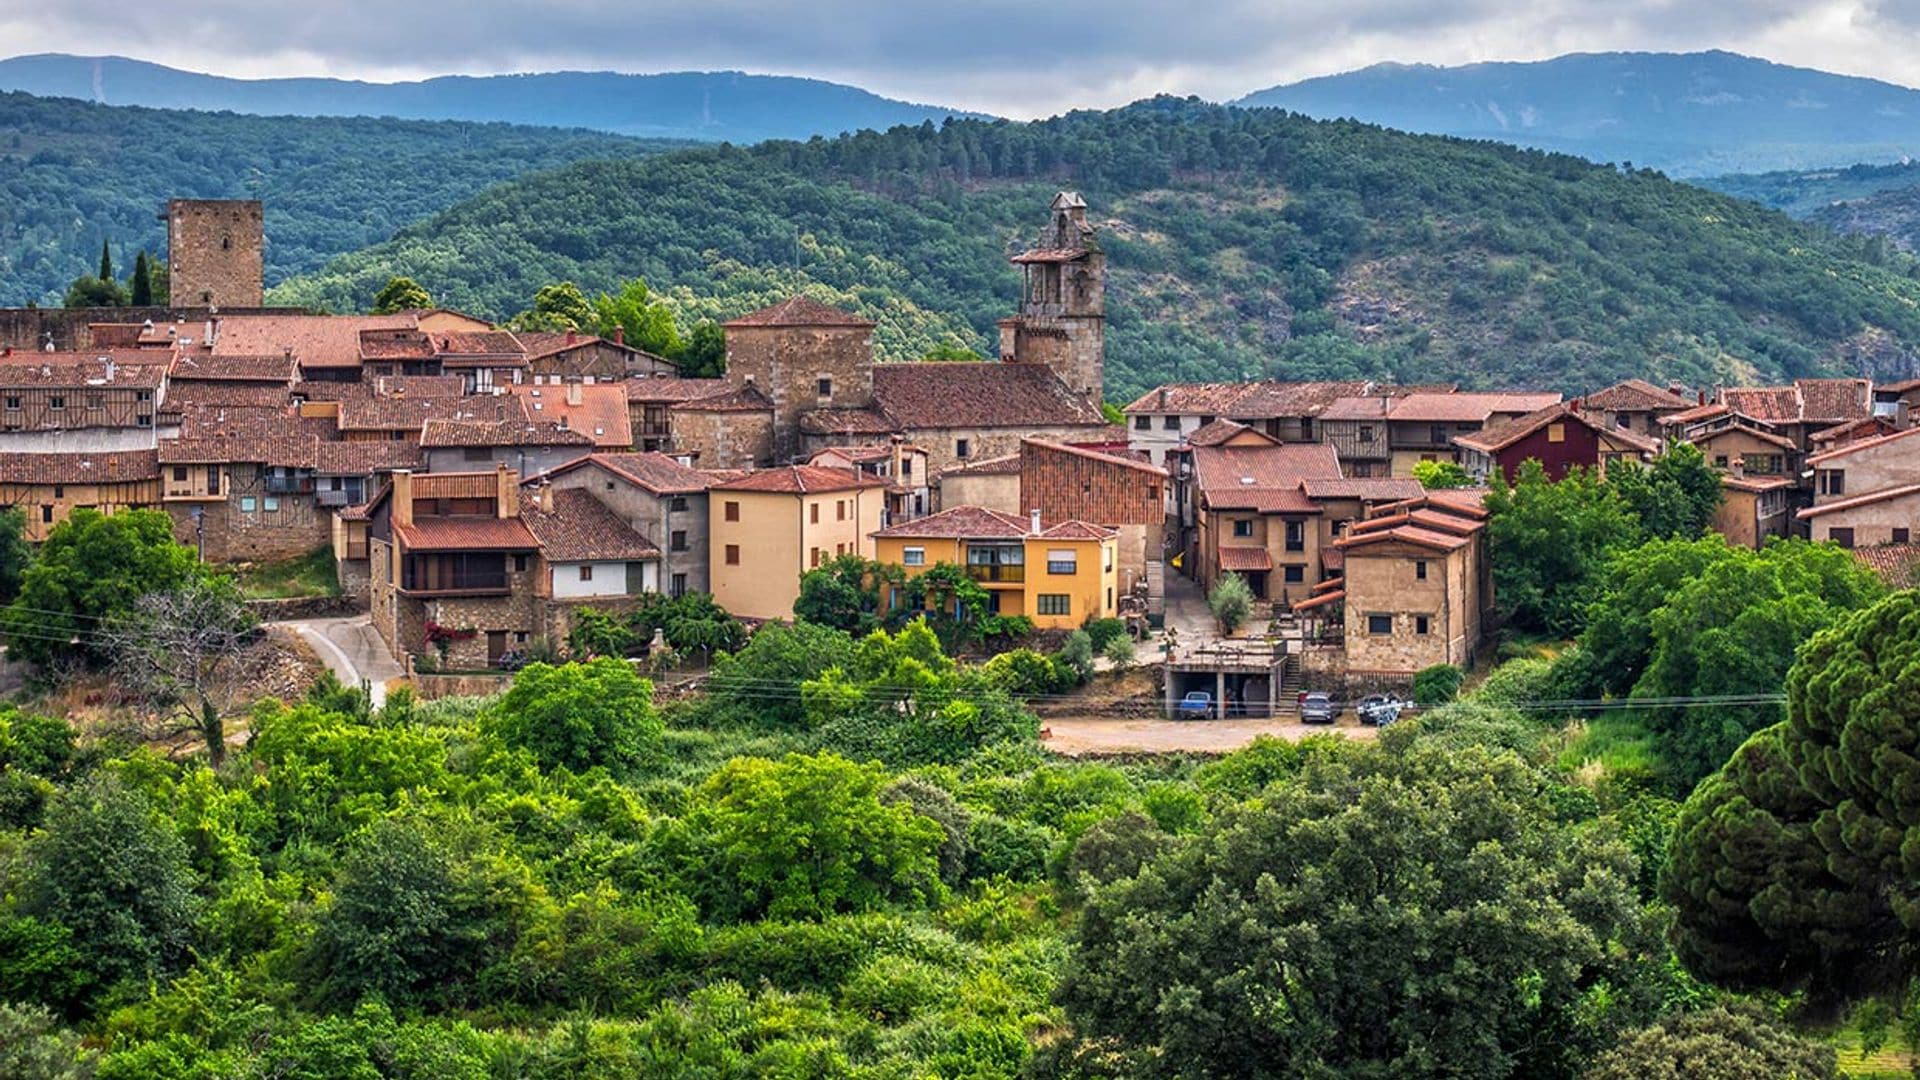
(1559, 437)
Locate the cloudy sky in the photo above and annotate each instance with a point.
(1019, 58)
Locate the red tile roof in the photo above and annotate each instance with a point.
(315, 340)
(1259, 400)
(960, 522)
(801, 480)
(1858, 446)
(656, 472)
(1771, 438)
(213, 367)
(441, 434)
(411, 413)
(1636, 395)
(1699, 412)
(979, 394)
(79, 468)
(1008, 465)
(1502, 434)
(1263, 478)
(738, 399)
(1245, 559)
(798, 311)
(365, 458)
(187, 395)
(1216, 432)
(1857, 501)
(1755, 484)
(599, 410)
(1866, 427)
(845, 422)
(289, 451)
(1412, 534)
(1894, 563)
(1465, 408)
(1365, 488)
(671, 389)
(1334, 596)
(580, 528)
(1078, 530)
(130, 369)
(466, 534)
(1125, 461)
(1834, 399)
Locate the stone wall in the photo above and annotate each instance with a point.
(229, 533)
(653, 517)
(724, 440)
(786, 363)
(434, 687)
(214, 252)
(356, 581)
(301, 607)
(942, 444)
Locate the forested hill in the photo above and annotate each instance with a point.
(705, 105)
(1241, 243)
(73, 174)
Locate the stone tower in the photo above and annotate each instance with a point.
(806, 357)
(214, 253)
(1063, 305)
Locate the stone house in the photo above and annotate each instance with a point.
(660, 499)
(733, 429)
(1123, 493)
(215, 252)
(570, 356)
(902, 465)
(48, 488)
(1423, 426)
(1160, 420)
(1414, 589)
(964, 410)
(768, 527)
(1059, 577)
(803, 355)
(1253, 519)
(526, 447)
(587, 552)
(52, 402)
(993, 483)
(1731, 443)
(1754, 509)
(1637, 405)
(1561, 437)
(244, 495)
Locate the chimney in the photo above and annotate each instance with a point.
(543, 495)
(506, 491)
(619, 335)
(896, 446)
(1034, 521)
(574, 394)
(573, 337)
(1701, 397)
(1163, 398)
(1574, 406)
(403, 496)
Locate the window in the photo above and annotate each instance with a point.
(12, 402)
(1719, 461)
(813, 514)
(1243, 527)
(96, 401)
(1054, 604)
(1143, 423)
(1379, 624)
(732, 511)
(733, 554)
(59, 491)
(839, 509)
(56, 402)
(143, 420)
(1063, 561)
(1556, 433)
(678, 505)
(814, 558)
(678, 541)
(46, 513)
(476, 453)
(1296, 536)
(270, 503)
(246, 504)
(824, 387)
(1900, 536)
(586, 572)
(1366, 433)
(1843, 537)
(1422, 625)
(679, 585)
(1420, 570)
(1830, 481)
(1294, 574)
(961, 447)
(1170, 423)
(913, 556)
(519, 637)
(906, 467)
(1623, 421)
(519, 564)
(179, 474)
(1438, 433)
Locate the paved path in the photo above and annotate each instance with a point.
(351, 648)
(1187, 612)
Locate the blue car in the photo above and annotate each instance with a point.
(1197, 705)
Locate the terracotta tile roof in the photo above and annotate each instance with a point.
(671, 389)
(979, 394)
(798, 311)
(1125, 461)
(79, 468)
(403, 343)
(1755, 484)
(130, 369)
(540, 344)
(1465, 408)
(1502, 434)
(1461, 502)
(440, 434)
(466, 534)
(1215, 432)
(1771, 438)
(1636, 395)
(365, 458)
(1775, 404)
(214, 367)
(478, 348)
(1834, 399)
(867, 452)
(1696, 414)
(317, 341)
(289, 451)
(845, 422)
(1263, 478)
(1412, 534)
(738, 399)
(960, 522)
(411, 413)
(656, 472)
(1245, 559)
(1867, 427)
(1857, 446)
(800, 480)
(249, 422)
(1078, 530)
(1332, 596)
(1009, 465)
(1898, 388)
(1259, 400)
(1894, 563)
(580, 528)
(599, 410)
(1369, 407)
(426, 386)
(1857, 501)
(186, 395)
(1365, 488)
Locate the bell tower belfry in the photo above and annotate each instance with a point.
(1063, 302)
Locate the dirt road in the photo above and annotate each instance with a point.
(1074, 737)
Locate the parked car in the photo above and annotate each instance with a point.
(1380, 709)
(1197, 705)
(1316, 708)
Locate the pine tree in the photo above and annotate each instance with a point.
(106, 262)
(141, 283)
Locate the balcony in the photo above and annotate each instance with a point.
(289, 485)
(1001, 574)
(455, 575)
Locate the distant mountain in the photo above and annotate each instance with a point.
(1689, 114)
(706, 105)
(74, 174)
(1807, 193)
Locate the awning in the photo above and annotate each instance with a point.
(1245, 559)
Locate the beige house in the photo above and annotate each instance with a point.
(1870, 465)
(48, 488)
(1416, 587)
(1887, 516)
(993, 483)
(770, 526)
(1753, 509)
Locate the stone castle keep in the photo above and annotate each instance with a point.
(215, 253)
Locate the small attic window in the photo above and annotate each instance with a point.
(1247, 480)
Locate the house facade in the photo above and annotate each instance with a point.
(1058, 577)
(769, 527)
(659, 498)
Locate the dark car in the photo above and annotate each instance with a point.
(1380, 709)
(1316, 708)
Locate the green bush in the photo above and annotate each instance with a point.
(1103, 631)
(1437, 684)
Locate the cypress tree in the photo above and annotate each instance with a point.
(106, 262)
(141, 284)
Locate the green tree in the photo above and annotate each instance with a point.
(1119, 652)
(705, 354)
(89, 291)
(846, 593)
(1435, 475)
(761, 683)
(92, 567)
(647, 322)
(578, 716)
(110, 870)
(185, 651)
(15, 554)
(1792, 868)
(106, 262)
(902, 700)
(1548, 542)
(561, 306)
(1720, 1043)
(1617, 641)
(401, 294)
(1676, 497)
(34, 1047)
(1325, 929)
(1231, 602)
(1437, 684)
(809, 836)
(140, 284)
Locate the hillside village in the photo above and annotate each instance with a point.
(479, 487)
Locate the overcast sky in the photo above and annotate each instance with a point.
(1018, 58)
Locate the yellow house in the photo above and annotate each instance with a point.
(1059, 577)
(769, 527)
